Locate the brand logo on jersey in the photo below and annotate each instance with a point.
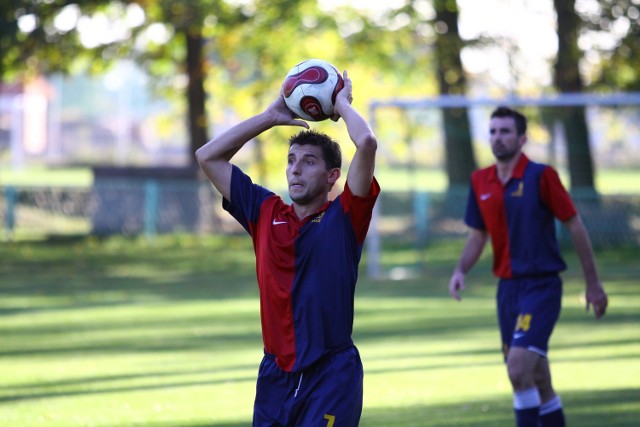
(518, 335)
(319, 217)
(278, 222)
(519, 191)
(485, 196)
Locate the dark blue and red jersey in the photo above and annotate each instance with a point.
(306, 269)
(519, 217)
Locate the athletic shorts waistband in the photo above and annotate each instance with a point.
(345, 347)
(530, 277)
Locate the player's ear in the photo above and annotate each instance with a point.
(522, 140)
(334, 175)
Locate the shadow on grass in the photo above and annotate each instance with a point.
(618, 408)
(182, 423)
(83, 274)
(109, 389)
(167, 334)
(582, 409)
(62, 277)
(103, 384)
(126, 270)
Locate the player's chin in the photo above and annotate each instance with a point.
(297, 194)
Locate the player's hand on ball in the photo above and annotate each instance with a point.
(346, 93)
(282, 114)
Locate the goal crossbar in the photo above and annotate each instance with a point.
(560, 100)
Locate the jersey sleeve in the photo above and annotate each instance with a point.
(473, 216)
(360, 209)
(555, 196)
(246, 199)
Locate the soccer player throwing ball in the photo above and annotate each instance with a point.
(515, 202)
(307, 256)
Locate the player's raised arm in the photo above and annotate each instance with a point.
(360, 174)
(214, 157)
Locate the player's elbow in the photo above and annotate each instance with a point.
(368, 143)
(198, 154)
(201, 157)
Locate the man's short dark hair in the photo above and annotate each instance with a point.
(330, 149)
(519, 118)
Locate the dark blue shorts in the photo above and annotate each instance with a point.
(327, 394)
(528, 310)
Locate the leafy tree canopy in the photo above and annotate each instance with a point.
(611, 43)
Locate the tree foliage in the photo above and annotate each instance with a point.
(567, 79)
(430, 41)
(222, 55)
(611, 31)
(460, 159)
(35, 40)
(189, 23)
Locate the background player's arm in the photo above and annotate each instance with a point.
(360, 174)
(470, 254)
(214, 157)
(594, 294)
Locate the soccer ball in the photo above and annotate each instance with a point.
(310, 89)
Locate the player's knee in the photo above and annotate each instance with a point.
(542, 379)
(543, 383)
(520, 376)
(521, 367)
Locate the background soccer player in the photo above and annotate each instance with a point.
(515, 202)
(307, 257)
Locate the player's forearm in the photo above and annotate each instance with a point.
(227, 144)
(582, 245)
(359, 130)
(472, 250)
(467, 260)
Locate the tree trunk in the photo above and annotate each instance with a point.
(195, 92)
(460, 159)
(567, 79)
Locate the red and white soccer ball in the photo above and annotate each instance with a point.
(310, 89)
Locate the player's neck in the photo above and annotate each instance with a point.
(505, 167)
(303, 211)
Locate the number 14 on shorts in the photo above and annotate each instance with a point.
(523, 323)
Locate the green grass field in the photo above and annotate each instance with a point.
(166, 332)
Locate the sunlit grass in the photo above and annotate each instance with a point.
(123, 332)
(41, 176)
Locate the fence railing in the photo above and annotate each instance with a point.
(150, 207)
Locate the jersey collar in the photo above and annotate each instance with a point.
(518, 170)
(291, 213)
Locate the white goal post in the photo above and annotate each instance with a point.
(620, 99)
(560, 100)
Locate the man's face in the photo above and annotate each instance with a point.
(307, 176)
(504, 138)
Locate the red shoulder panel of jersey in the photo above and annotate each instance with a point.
(555, 196)
(360, 209)
(487, 208)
